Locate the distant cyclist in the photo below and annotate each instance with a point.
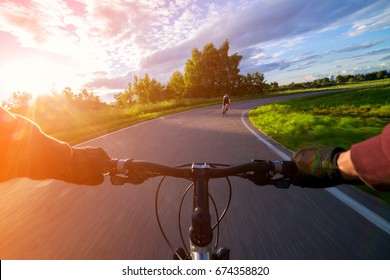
(225, 103)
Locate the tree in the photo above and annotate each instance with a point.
(360, 77)
(68, 94)
(340, 79)
(19, 99)
(382, 74)
(234, 77)
(193, 74)
(148, 90)
(212, 72)
(88, 100)
(5, 104)
(258, 82)
(126, 98)
(274, 85)
(175, 86)
(254, 83)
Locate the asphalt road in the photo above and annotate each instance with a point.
(54, 220)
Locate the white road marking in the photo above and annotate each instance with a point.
(359, 208)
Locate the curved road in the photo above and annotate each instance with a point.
(55, 220)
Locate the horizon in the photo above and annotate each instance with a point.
(101, 45)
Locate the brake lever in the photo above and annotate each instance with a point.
(134, 179)
(281, 183)
(117, 180)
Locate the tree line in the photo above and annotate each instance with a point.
(209, 73)
(331, 81)
(19, 102)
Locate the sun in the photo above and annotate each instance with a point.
(30, 75)
(36, 76)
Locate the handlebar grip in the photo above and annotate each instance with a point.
(131, 173)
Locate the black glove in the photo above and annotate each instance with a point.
(87, 166)
(317, 168)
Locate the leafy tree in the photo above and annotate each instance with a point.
(176, 86)
(255, 83)
(125, 98)
(5, 104)
(88, 100)
(193, 74)
(148, 90)
(274, 85)
(18, 100)
(382, 74)
(360, 77)
(212, 72)
(340, 79)
(234, 77)
(68, 94)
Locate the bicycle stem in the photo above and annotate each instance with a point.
(201, 232)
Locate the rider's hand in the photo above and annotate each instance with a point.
(87, 166)
(317, 167)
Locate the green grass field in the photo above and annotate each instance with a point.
(325, 120)
(334, 119)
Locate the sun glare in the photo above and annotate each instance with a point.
(35, 76)
(32, 76)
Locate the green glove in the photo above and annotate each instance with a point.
(317, 167)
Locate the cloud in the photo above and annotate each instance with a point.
(381, 51)
(279, 65)
(372, 18)
(121, 37)
(385, 58)
(365, 45)
(252, 23)
(102, 81)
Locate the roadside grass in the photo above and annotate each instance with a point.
(335, 119)
(325, 120)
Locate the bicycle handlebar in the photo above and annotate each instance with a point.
(261, 172)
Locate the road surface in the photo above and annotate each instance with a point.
(55, 220)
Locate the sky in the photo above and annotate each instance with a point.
(48, 45)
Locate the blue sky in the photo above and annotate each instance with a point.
(50, 44)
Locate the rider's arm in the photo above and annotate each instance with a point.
(25, 151)
(371, 160)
